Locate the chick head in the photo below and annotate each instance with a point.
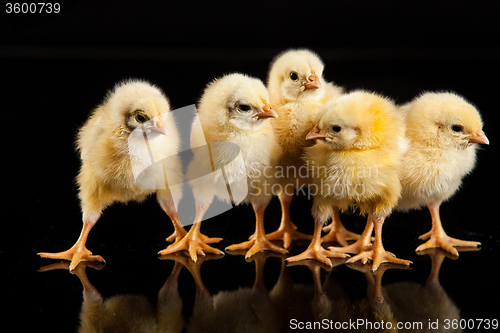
(135, 103)
(358, 120)
(235, 102)
(296, 74)
(444, 120)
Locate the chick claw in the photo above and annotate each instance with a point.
(255, 245)
(442, 240)
(76, 254)
(287, 232)
(177, 235)
(195, 243)
(378, 256)
(341, 235)
(319, 253)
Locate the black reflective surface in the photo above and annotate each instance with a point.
(56, 71)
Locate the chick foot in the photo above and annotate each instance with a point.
(377, 254)
(442, 240)
(316, 251)
(362, 244)
(439, 238)
(165, 201)
(78, 252)
(287, 230)
(337, 232)
(193, 242)
(179, 234)
(258, 242)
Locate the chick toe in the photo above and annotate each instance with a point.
(177, 235)
(378, 256)
(317, 252)
(287, 232)
(256, 245)
(194, 242)
(362, 244)
(76, 254)
(337, 232)
(447, 243)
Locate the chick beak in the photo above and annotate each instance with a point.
(267, 112)
(160, 126)
(479, 137)
(312, 82)
(314, 134)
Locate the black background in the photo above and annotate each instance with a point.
(56, 68)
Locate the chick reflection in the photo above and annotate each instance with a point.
(127, 313)
(243, 310)
(413, 302)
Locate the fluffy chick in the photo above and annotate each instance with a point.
(106, 142)
(355, 164)
(232, 113)
(443, 130)
(297, 90)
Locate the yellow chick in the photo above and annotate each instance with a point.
(355, 164)
(232, 113)
(297, 90)
(111, 145)
(443, 130)
(424, 306)
(242, 310)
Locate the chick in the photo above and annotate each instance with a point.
(242, 310)
(355, 164)
(425, 306)
(443, 130)
(296, 90)
(232, 114)
(111, 146)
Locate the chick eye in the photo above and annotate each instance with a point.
(457, 128)
(336, 128)
(294, 76)
(244, 107)
(140, 117)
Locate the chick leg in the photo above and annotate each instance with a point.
(315, 250)
(259, 242)
(378, 254)
(362, 244)
(180, 232)
(194, 241)
(337, 232)
(286, 230)
(78, 252)
(438, 237)
(169, 208)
